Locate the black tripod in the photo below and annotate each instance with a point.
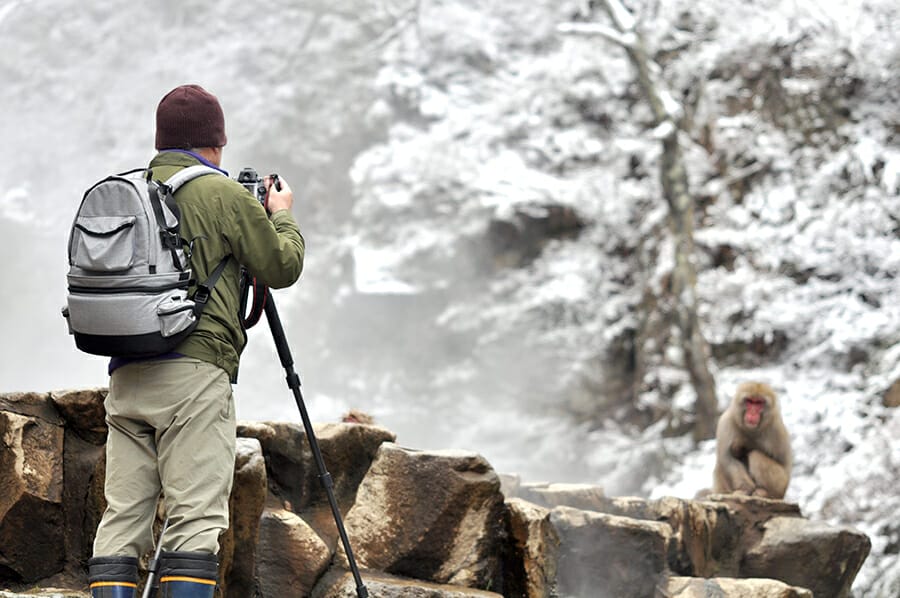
(262, 301)
(293, 382)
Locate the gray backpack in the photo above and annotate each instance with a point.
(129, 269)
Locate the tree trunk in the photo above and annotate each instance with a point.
(684, 288)
(673, 176)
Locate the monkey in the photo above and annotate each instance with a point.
(355, 416)
(753, 450)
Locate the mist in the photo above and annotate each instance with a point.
(300, 89)
(78, 103)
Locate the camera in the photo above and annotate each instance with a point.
(255, 184)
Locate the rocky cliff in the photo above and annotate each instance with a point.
(439, 524)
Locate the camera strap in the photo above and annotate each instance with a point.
(260, 293)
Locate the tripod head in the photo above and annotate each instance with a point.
(256, 185)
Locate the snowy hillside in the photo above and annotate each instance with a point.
(793, 150)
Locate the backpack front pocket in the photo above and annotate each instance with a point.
(103, 243)
(176, 314)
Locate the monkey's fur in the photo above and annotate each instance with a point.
(753, 450)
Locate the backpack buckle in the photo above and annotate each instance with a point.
(201, 295)
(169, 239)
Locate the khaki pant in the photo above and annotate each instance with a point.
(171, 430)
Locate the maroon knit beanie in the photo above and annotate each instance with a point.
(189, 117)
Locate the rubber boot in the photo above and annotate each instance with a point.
(187, 575)
(113, 576)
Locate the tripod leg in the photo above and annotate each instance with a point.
(152, 584)
(293, 382)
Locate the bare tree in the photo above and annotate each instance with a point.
(667, 115)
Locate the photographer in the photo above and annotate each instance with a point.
(171, 417)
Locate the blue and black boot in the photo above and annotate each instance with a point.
(113, 576)
(187, 575)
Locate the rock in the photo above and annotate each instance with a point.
(31, 510)
(290, 557)
(340, 584)
(891, 396)
(809, 554)
(711, 536)
(695, 587)
(32, 404)
(347, 449)
(83, 413)
(757, 507)
(69, 429)
(237, 553)
(531, 566)
(606, 556)
(431, 515)
(427, 523)
(284, 447)
(84, 472)
(707, 536)
(577, 496)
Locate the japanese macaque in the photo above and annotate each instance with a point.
(753, 451)
(355, 416)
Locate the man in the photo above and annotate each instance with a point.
(171, 418)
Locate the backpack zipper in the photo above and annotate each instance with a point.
(132, 290)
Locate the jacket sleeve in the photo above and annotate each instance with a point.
(272, 249)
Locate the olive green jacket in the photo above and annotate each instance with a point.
(221, 218)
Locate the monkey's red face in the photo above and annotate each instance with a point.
(754, 407)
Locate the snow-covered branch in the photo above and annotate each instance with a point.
(624, 33)
(621, 16)
(626, 39)
(672, 106)
(664, 129)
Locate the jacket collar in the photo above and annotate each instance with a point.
(179, 157)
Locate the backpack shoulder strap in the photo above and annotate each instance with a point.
(188, 174)
(204, 289)
(164, 193)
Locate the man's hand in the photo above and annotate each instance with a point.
(279, 200)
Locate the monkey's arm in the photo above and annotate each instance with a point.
(731, 474)
(770, 477)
